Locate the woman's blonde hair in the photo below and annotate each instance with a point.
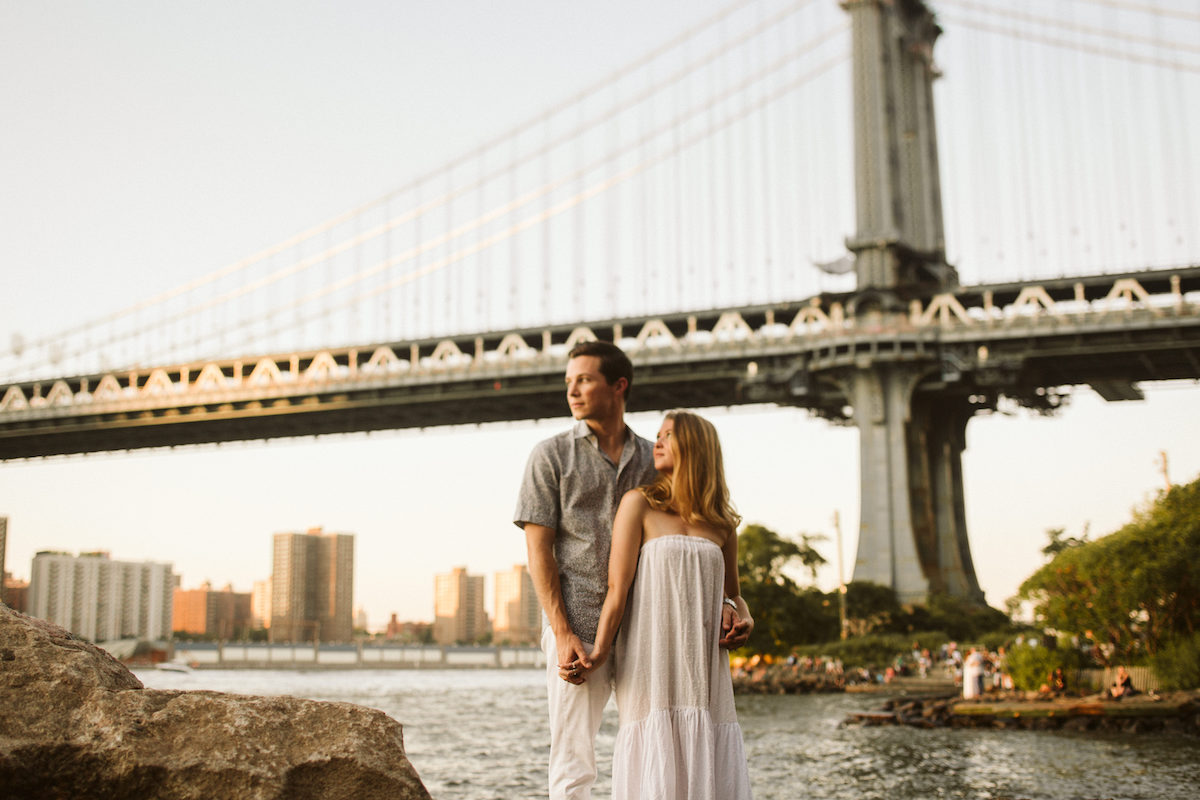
(695, 489)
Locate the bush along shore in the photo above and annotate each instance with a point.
(1174, 712)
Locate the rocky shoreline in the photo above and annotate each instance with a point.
(934, 702)
(793, 679)
(1176, 712)
(76, 723)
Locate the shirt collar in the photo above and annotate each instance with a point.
(582, 431)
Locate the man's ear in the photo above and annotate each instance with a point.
(622, 385)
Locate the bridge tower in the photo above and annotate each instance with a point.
(912, 534)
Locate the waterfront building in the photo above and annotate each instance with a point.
(224, 614)
(260, 605)
(518, 615)
(409, 632)
(459, 616)
(99, 599)
(312, 587)
(16, 593)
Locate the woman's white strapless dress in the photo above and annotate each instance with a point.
(679, 736)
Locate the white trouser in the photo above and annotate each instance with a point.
(575, 714)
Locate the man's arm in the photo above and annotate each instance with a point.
(543, 570)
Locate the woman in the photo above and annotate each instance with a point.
(973, 674)
(679, 736)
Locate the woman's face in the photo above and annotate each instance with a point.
(664, 456)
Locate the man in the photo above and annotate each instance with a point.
(572, 485)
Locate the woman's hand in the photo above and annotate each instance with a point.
(597, 657)
(736, 625)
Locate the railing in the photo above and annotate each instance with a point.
(1144, 679)
(1097, 303)
(240, 655)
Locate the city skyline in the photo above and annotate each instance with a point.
(514, 585)
(136, 160)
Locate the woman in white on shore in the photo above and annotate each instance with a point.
(675, 543)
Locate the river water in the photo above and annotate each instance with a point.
(482, 735)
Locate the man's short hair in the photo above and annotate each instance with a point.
(614, 364)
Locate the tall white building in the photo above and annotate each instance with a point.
(99, 599)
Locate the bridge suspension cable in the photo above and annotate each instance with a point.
(1148, 8)
(1096, 169)
(535, 145)
(716, 169)
(432, 243)
(1085, 47)
(1117, 34)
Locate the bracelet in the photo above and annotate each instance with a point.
(729, 602)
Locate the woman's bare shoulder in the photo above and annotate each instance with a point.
(634, 499)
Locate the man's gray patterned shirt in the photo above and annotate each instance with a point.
(571, 486)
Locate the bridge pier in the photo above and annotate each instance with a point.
(912, 528)
(913, 533)
(887, 552)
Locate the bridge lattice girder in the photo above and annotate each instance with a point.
(984, 342)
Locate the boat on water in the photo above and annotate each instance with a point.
(173, 666)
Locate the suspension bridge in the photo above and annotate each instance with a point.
(763, 210)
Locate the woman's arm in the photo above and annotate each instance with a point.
(622, 564)
(744, 624)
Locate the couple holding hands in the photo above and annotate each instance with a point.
(633, 554)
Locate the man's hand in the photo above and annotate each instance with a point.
(735, 631)
(573, 660)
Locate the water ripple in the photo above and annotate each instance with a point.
(482, 735)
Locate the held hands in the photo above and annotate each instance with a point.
(573, 660)
(576, 671)
(735, 631)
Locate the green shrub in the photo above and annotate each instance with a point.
(1030, 666)
(1177, 664)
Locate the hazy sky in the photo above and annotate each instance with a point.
(145, 143)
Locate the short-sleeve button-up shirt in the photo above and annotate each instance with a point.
(572, 486)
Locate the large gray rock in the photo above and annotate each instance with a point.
(75, 723)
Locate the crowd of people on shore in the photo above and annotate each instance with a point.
(973, 670)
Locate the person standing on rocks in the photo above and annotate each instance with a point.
(572, 485)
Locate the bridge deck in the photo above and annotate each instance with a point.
(1106, 331)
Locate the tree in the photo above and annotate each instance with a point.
(870, 607)
(1059, 541)
(1130, 592)
(809, 556)
(784, 614)
(762, 555)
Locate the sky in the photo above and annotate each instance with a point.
(145, 144)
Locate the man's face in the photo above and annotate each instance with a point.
(589, 394)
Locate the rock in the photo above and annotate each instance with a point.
(75, 723)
